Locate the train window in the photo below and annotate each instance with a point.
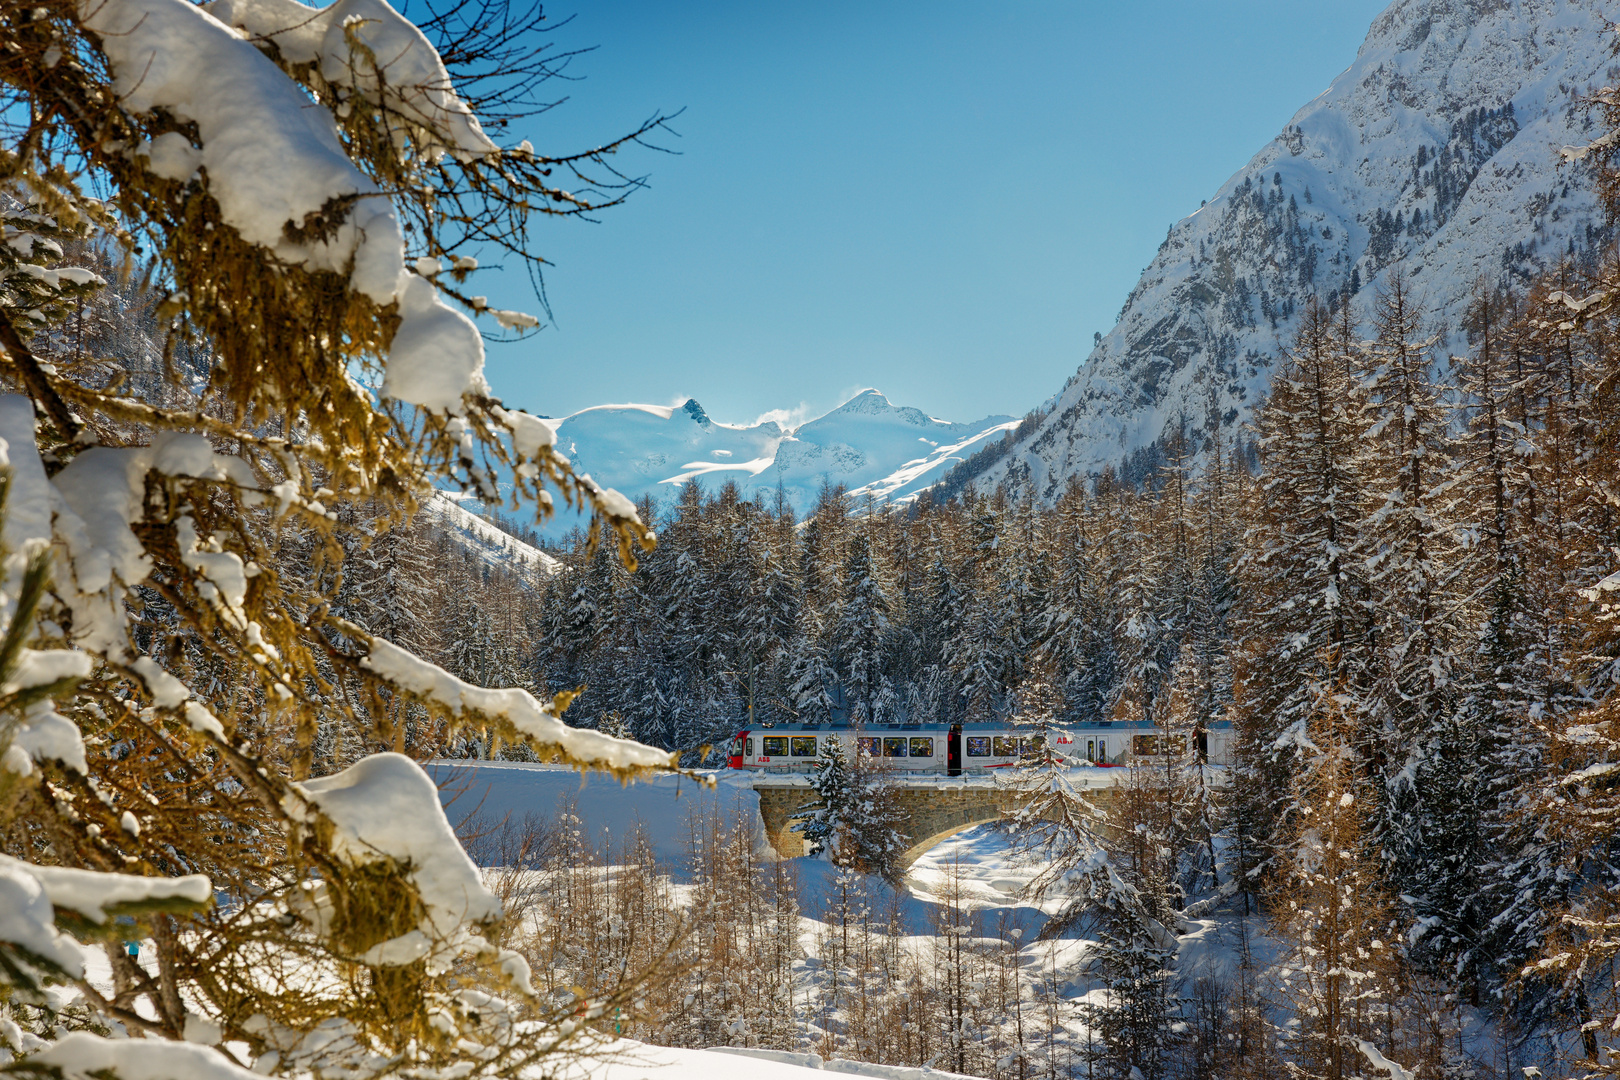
(922, 747)
(737, 745)
(1145, 745)
(1004, 746)
(804, 746)
(894, 747)
(776, 746)
(1031, 747)
(870, 746)
(1175, 744)
(750, 750)
(978, 746)
(1102, 749)
(1091, 749)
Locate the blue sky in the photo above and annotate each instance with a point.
(943, 200)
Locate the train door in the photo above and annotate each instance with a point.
(953, 751)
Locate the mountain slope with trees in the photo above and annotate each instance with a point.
(1436, 154)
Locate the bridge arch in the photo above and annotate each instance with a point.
(935, 809)
(932, 810)
(927, 843)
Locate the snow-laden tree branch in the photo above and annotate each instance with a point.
(300, 186)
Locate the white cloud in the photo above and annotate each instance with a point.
(788, 418)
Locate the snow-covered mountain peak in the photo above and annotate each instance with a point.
(1436, 151)
(868, 444)
(873, 403)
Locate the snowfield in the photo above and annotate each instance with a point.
(978, 867)
(481, 794)
(627, 1060)
(868, 444)
(488, 792)
(491, 544)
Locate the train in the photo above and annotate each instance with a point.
(971, 748)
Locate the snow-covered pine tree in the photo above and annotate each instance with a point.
(982, 655)
(1187, 786)
(877, 837)
(766, 624)
(1412, 566)
(1337, 921)
(1207, 644)
(1023, 580)
(1494, 695)
(166, 695)
(811, 678)
(1076, 634)
(854, 818)
(587, 618)
(387, 581)
(1300, 574)
(825, 823)
(936, 623)
(861, 634)
(1133, 1032)
(822, 550)
(1568, 859)
(1053, 821)
(1563, 371)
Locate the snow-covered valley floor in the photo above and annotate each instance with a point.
(871, 965)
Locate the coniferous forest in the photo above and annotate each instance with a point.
(240, 651)
(1397, 587)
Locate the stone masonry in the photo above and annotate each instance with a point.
(936, 807)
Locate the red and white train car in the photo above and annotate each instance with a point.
(964, 749)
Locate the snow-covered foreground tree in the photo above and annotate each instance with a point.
(306, 184)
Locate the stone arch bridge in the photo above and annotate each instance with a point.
(936, 807)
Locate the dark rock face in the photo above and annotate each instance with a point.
(695, 411)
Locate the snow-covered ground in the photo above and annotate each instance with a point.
(971, 883)
(626, 1060)
(486, 793)
(989, 876)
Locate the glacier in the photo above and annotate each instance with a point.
(867, 444)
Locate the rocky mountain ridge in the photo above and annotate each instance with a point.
(1436, 154)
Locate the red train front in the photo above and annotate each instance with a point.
(735, 759)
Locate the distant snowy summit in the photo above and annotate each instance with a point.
(1436, 153)
(867, 444)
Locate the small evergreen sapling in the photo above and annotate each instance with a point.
(855, 819)
(824, 824)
